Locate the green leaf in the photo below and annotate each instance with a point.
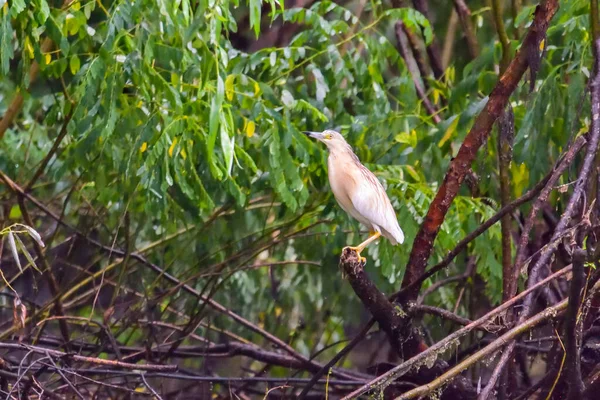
(6, 45)
(42, 10)
(245, 159)
(213, 123)
(74, 64)
(13, 249)
(413, 20)
(227, 145)
(26, 253)
(255, 10)
(16, 7)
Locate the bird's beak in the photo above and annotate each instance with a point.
(314, 135)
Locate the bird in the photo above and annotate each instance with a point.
(358, 191)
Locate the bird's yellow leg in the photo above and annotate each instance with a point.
(372, 237)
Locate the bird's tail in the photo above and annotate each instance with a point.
(396, 236)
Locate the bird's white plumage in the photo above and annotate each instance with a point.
(357, 190)
(374, 210)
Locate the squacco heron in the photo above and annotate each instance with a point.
(358, 191)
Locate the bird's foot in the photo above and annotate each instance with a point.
(357, 250)
(351, 261)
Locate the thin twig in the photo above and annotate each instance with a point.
(143, 376)
(420, 89)
(465, 19)
(449, 315)
(91, 360)
(573, 326)
(53, 150)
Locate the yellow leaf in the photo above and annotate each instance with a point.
(172, 147)
(250, 128)
(143, 147)
(436, 96)
(76, 5)
(450, 74)
(229, 87)
(449, 132)
(520, 178)
(183, 154)
(413, 173)
(47, 58)
(256, 89)
(278, 311)
(542, 44)
(71, 24)
(29, 47)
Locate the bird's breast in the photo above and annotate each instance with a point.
(341, 181)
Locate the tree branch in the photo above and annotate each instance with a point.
(460, 165)
(506, 130)
(91, 360)
(562, 164)
(391, 319)
(170, 278)
(433, 49)
(549, 313)
(573, 326)
(504, 40)
(441, 346)
(465, 19)
(563, 224)
(420, 89)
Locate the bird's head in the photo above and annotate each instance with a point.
(332, 139)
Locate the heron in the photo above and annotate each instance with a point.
(358, 191)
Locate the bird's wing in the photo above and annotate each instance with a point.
(371, 201)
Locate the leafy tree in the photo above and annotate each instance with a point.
(156, 147)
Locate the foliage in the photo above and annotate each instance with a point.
(171, 126)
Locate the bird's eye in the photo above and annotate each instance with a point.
(328, 136)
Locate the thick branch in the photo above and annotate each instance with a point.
(460, 165)
(506, 128)
(594, 19)
(391, 319)
(388, 316)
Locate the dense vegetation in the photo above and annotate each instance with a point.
(161, 207)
